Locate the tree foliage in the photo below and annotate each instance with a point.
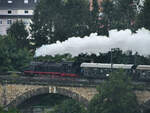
(69, 106)
(8, 111)
(115, 96)
(118, 57)
(12, 57)
(58, 20)
(94, 17)
(118, 14)
(20, 34)
(143, 18)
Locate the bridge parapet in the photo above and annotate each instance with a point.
(15, 91)
(61, 81)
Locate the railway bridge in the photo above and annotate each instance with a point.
(14, 91)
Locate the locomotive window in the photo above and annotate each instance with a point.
(67, 68)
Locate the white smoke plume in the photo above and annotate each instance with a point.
(123, 39)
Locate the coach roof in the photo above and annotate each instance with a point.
(106, 65)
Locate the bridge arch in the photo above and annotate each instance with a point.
(45, 90)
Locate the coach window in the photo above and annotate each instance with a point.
(86, 70)
(143, 73)
(1, 22)
(9, 11)
(26, 11)
(148, 73)
(9, 21)
(96, 70)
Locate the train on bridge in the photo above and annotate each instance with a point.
(86, 70)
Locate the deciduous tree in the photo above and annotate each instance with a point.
(12, 57)
(59, 20)
(94, 17)
(143, 18)
(115, 96)
(19, 32)
(69, 106)
(118, 14)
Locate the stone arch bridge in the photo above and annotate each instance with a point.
(13, 93)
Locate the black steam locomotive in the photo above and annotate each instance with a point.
(87, 70)
(68, 69)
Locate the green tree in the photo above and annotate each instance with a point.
(76, 18)
(118, 14)
(12, 57)
(1, 110)
(46, 14)
(94, 17)
(143, 18)
(8, 111)
(69, 106)
(58, 20)
(106, 17)
(115, 96)
(19, 32)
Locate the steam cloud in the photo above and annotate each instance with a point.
(123, 39)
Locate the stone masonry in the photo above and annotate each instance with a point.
(12, 95)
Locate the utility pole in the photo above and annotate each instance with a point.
(111, 59)
(135, 56)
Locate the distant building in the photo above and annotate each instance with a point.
(136, 3)
(91, 4)
(13, 10)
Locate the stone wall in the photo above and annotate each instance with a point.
(13, 95)
(143, 96)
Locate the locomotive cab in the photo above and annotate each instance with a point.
(68, 69)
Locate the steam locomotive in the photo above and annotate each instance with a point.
(68, 69)
(87, 70)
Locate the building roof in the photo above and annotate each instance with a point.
(17, 4)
